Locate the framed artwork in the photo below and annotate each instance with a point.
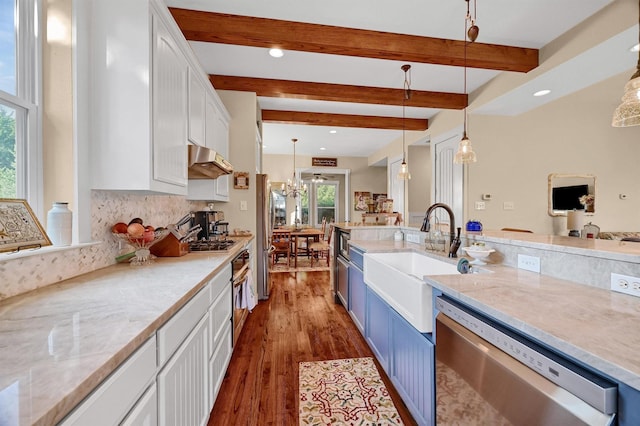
(360, 200)
(379, 199)
(241, 180)
(19, 227)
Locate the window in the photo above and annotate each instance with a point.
(20, 176)
(319, 202)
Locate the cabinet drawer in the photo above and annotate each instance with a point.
(220, 316)
(219, 363)
(221, 282)
(111, 401)
(180, 325)
(145, 413)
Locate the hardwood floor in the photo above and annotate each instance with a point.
(299, 322)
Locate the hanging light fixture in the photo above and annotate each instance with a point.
(404, 174)
(294, 186)
(628, 112)
(465, 152)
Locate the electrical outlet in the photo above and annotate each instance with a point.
(529, 263)
(480, 205)
(412, 238)
(508, 205)
(625, 284)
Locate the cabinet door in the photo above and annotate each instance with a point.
(197, 106)
(219, 363)
(211, 119)
(222, 141)
(377, 327)
(182, 383)
(145, 413)
(169, 96)
(412, 369)
(357, 297)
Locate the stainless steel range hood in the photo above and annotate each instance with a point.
(205, 163)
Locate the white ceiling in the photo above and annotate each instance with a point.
(525, 23)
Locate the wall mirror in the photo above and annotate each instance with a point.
(569, 192)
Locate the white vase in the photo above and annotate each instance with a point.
(59, 221)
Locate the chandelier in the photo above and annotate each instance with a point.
(404, 174)
(465, 152)
(294, 187)
(628, 112)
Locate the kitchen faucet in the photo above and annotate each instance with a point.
(453, 240)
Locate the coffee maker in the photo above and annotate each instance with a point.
(214, 227)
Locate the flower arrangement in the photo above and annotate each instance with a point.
(588, 201)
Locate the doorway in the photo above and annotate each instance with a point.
(320, 202)
(447, 176)
(328, 180)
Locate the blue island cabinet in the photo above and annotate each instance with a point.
(406, 355)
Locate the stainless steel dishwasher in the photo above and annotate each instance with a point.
(487, 374)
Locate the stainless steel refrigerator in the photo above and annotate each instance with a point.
(263, 231)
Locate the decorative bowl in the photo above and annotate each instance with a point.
(142, 254)
(479, 254)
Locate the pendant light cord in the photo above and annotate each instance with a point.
(467, 18)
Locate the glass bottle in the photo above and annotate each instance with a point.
(59, 220)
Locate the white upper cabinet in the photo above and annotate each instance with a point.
(197, 106)
(217, 139)
(139, 107)
(170, 85)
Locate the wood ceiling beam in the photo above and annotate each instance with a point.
(337, 92)
(288, 35)
(344, 120)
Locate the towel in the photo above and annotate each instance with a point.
(247, 299)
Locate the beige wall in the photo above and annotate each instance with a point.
(242, 155)
(57, 119)
(572, 135)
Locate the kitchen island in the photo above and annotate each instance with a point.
(60, 342)
(596, 326)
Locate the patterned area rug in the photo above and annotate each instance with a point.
(304, 265)
(344, 392)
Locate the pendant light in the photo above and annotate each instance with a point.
(404, 174)
(465, 154)
(628, 112)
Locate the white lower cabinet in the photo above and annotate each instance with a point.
(182, 383)
(174, 377)
(118, 394)
(145, 413)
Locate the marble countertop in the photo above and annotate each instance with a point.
(598, 327)
(59, 342)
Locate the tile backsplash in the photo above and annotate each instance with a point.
(20, 275)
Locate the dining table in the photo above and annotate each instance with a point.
(306, 233)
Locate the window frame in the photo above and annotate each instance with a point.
(26, 102)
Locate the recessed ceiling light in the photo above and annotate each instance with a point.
(323, 149)
(276, 53)
(542, 92)
(635, 48)
(333, 132)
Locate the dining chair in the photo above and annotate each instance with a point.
(322, 248)
(280, 245)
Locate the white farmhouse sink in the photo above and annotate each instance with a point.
(398, 278)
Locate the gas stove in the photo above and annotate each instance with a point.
(211, 245)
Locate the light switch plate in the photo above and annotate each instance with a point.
(626, 284)
(243, 205)
(529, 263)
